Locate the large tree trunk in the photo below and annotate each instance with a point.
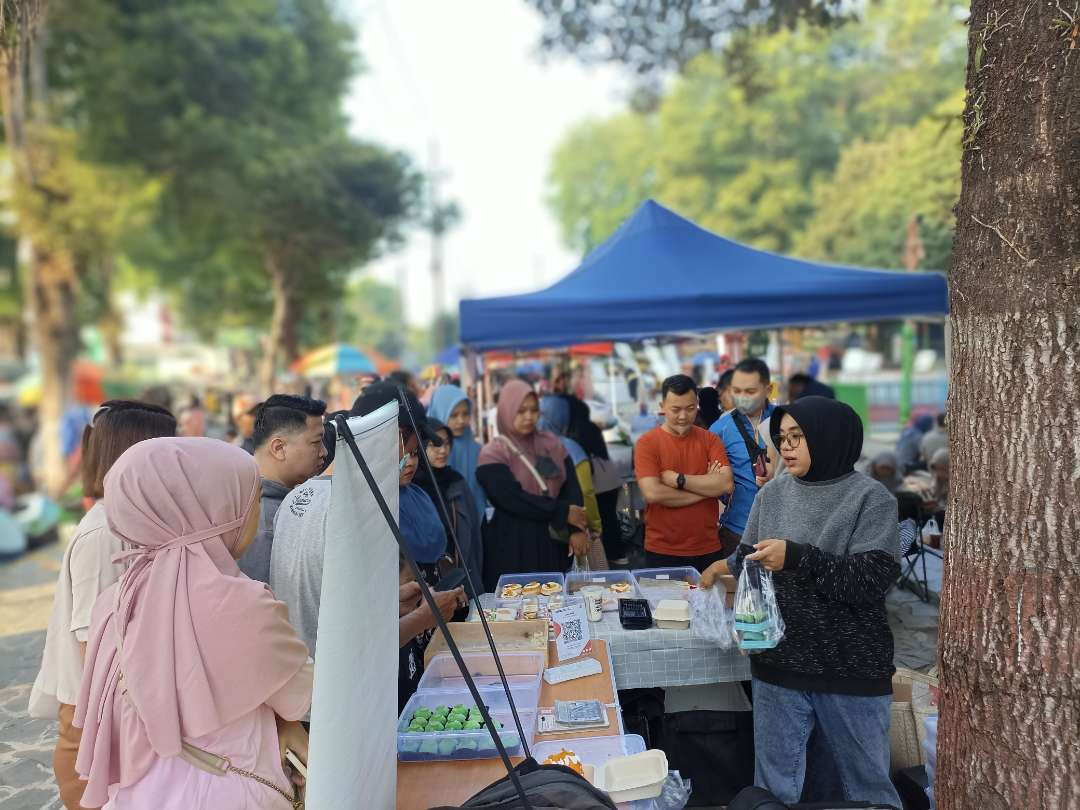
(283, 340)
(53, 282)
(1010, 620)
(56, 336)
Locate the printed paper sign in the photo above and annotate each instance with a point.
(572, 636)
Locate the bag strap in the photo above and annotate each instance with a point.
(218, 765)
(753, 449)
(345, 432)
(525, 460)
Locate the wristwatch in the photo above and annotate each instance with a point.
(680, 482)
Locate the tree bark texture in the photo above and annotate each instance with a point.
(1009, 734)
(283, 325)
(56, 334)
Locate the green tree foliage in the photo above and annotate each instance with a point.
(879, 185)
(600, 172)
(268, 204)
(742, 138)
(374, 316)
(656, 35)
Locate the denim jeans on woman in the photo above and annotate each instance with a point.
(855, 728)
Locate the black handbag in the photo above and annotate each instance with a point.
(546, 786)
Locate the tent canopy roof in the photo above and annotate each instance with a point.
(660, 274)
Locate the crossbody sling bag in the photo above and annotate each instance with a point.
(753, 449)
(562, 535)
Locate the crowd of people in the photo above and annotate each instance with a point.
(730, 476)
(178, 660)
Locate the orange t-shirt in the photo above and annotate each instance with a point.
(687, 531)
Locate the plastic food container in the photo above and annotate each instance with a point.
(672, 614)
(524, 672)
(594, 752)
(525, 579)
(631, 778)
(430, 746)
(656, 584)
(544, 606)
(604, 579)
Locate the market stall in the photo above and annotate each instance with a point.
(665, 658)
(425, 784)
(660, 274)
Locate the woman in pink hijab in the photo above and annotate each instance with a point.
(193, 671)
(531, 483)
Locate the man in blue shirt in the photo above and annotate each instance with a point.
(740, 432)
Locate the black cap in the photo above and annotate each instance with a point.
(380, 393)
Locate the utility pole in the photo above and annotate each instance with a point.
(441, 217)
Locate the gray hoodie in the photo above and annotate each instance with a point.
(256, 560)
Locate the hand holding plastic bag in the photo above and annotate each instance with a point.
(710, 619)
(757, 616)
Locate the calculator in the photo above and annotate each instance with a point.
(634, 614)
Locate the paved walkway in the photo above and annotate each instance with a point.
(26, 744)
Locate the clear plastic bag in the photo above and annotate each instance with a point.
(710, 618)
(675, 794)
(758, 622)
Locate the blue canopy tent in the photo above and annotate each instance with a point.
(660, 274)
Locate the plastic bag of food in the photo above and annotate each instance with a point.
(757, 616)
(710, 618)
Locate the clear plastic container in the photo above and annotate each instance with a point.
(430, 746)
(596, 751)
(652, 583)
(575, 581)
(525, 579)
(524, 673)
(544, 604)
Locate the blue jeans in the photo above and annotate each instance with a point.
(856, 729)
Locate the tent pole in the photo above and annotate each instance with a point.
(612, 388)
(780, 382)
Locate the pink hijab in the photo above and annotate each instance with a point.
(184, 643)
(537, 444)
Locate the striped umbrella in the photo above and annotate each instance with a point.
(334, 359)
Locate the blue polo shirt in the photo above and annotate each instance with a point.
(738, 509)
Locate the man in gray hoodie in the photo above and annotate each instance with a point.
(289, 450)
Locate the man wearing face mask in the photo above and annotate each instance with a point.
(744, 439)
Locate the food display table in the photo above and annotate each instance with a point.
(647, 658)
(421, 785)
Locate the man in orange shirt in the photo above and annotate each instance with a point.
(682, 471)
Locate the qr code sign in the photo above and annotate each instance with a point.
(571, 630)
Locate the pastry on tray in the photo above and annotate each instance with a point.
(550, 588)
(619, 587)
(531, 589)
(511, 591)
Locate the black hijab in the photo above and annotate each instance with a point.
(583, 431)
(708, 406)
(833, 431)
(444, 476)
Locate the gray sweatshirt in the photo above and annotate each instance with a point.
(255, 562)
(842, 556)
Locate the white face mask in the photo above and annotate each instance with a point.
(748, 404)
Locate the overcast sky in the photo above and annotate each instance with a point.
(465, 76)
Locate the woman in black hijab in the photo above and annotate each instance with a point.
(607, 482)
(830, 536)
(460, 506)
